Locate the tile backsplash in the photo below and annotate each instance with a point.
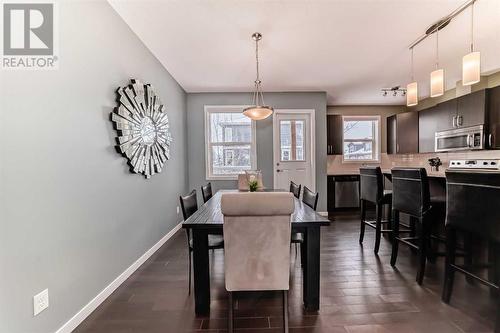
(336, 166)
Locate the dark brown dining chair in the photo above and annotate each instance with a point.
(295, 189)
(310, 198)
(206, 192)
(372, 190)
(189, 205)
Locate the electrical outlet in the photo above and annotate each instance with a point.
(178, 210)
(40, 302)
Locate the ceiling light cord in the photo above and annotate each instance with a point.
(472, 28)
(437, 48)
(258, 95)
(411, 65)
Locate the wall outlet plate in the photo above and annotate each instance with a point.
(40, 302)
(178, 210)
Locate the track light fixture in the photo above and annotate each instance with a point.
(396, 90)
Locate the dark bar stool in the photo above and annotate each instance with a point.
(372, 190)
(411, 195)
(472, 208)
(206, 192)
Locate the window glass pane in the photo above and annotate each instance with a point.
(359, 150)
(230, 127)
(292, 140)
(230, 160)
(358, 129)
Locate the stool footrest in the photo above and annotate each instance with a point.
(463, 270)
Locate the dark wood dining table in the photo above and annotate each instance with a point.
(208, 219)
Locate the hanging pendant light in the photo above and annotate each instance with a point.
(471, 63)
(412, 88)
(437, 76)
(259, 110)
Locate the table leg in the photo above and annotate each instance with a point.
(312, 271)
(201, 271)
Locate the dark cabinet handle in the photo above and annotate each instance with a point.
(490, 141)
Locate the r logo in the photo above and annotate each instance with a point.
(28, 29)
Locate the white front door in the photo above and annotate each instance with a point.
(293, 148)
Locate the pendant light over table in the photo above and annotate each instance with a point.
(259, 110)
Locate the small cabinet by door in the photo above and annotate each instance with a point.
(493, 124)
(334, 134)
(402, 133)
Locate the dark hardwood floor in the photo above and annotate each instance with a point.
(360, 292)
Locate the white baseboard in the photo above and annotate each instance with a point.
(76, 320)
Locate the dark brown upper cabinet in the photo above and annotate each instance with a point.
(402, 133)
(427, 127)
(493, 123)
(334, 134)
(471, 109)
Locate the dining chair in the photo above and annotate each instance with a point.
(257, 232)
(189, 205)
(206, 192)
(372, 190)
(295, 189)
(297, 237)
(310, 198)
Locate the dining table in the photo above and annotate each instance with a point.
(208, 219)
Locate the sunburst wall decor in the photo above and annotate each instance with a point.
(143, 129)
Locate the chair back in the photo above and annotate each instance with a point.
(189, 204)
(472, 203)
(410, 191)
(257, 232)
(206, 192)
(295, 189)
(310, 198)
(371, 184)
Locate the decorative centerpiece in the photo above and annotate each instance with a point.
(253, 183)
(143, 129)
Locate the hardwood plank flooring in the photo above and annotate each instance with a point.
(360, 293)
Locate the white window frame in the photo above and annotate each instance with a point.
(208, 145)
(376, 141)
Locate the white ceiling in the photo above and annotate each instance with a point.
(348, 48)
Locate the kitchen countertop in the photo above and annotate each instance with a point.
(434, 174)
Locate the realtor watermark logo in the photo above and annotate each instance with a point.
(30, 36)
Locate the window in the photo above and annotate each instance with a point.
(229, 142)
(292, 140)
(361, 140)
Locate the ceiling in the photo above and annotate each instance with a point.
(348, 48)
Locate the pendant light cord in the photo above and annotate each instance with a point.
(437, 48)
(258, 95)
(472, 28)
(411, 64)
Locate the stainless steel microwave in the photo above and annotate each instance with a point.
(466, 138)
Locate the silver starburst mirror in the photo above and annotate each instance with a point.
(143, 130)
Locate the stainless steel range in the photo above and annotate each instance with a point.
(475, 164)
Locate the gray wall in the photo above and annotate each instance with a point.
(288, 100)
(72, 217)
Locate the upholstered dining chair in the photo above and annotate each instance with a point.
(206, 192)
(189, 205)
(257, 232)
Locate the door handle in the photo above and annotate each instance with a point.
(468, 141)
(397, 148)
(460, 120)
(278, 170)
(490, 140)
(454, 121)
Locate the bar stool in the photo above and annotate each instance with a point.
(411, 195)
(472, 208)
(372, 190)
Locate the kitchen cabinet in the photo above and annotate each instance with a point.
(427, 127)
(471, 109)
(402, 133)
(334, 134)
(445, 115)
(493, 121)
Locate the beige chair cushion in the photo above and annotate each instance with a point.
(243, 180)
(257, 232)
